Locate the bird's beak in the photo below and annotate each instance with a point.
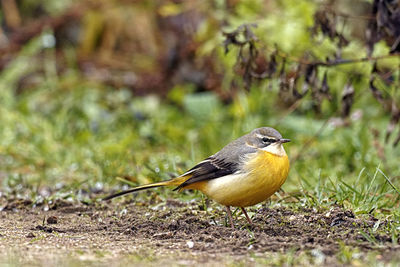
(284, 140)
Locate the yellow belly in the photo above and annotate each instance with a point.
(265, 173)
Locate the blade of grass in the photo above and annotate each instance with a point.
(388, 180)
(126, 181)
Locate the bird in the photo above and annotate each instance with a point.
(245, 172)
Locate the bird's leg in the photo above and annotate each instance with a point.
(228, 210)
(247, 216)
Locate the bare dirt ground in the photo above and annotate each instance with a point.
(177, 232)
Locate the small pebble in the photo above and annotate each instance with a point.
(30, 235)
(52, 220)
(123, 212)
(190, 244)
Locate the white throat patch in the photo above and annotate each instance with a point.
(276, 149)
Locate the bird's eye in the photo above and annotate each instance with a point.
(268, 140)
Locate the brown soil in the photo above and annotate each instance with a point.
(178, 231)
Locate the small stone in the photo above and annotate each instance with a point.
(30, 235)
(52, 220)
(190, 244)
(123, 212)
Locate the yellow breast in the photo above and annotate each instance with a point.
(263, 175)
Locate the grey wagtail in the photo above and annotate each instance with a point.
(245, 172)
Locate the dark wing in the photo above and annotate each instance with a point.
(208, 169)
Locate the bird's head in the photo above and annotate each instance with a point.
(267, 139)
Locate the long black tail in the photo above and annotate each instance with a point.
(139, 188)
(173, 182)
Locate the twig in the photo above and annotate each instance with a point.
(337, 61)
(348, 16)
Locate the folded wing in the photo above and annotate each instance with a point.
(210, 168)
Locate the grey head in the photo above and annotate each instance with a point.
(264, 138)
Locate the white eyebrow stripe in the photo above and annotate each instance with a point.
(262, 136)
